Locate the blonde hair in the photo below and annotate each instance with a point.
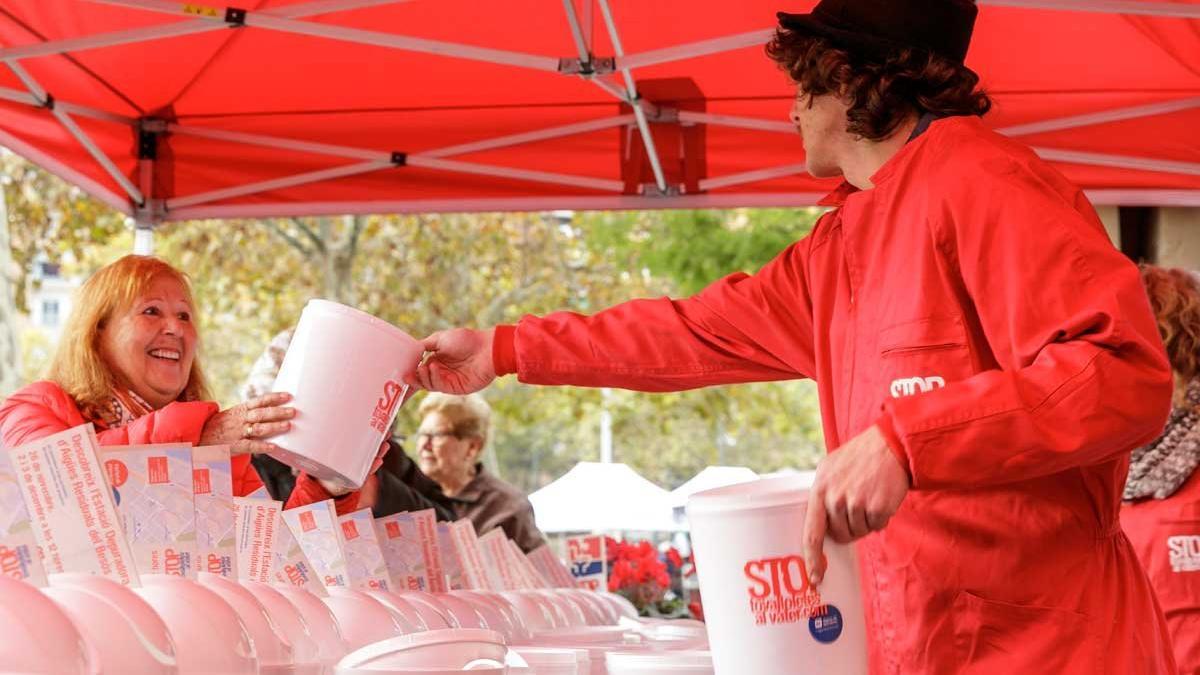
(77, 366)
(1175, 297)
(470, 415)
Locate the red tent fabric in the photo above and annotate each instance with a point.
(356, 106)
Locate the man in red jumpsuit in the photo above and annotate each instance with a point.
(986, 360)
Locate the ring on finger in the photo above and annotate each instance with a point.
(248, 432)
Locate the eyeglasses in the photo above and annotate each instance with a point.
(436, 437)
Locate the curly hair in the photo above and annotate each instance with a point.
(881, 90)
(1175, 298)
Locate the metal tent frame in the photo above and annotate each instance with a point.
(614, 74)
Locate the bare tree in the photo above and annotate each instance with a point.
(10, 346)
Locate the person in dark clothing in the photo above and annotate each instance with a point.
(402, 486)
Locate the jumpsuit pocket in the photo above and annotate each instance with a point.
(999, 637)
(923, 354)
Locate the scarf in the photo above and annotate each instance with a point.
(1159, 469)
(124, 407)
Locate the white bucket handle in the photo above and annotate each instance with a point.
(483, 663)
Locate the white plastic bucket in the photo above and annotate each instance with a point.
(552, 661)
(498, 614)
(425, 604)
(445, 650)
(619, 603)
(209, 635)
(566, 609)
(125, 632)
(534, 610)
(404, 608)
(674, 633)
(760, 608)
(459, 613)
(587, 635)
(321, 622)
(38, 636)
(275, 651)
(662, 663)
(595, 611)
(344, 369)
(363, 619)
(306, 648)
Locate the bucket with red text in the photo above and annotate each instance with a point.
(761, 607)
(345, 370)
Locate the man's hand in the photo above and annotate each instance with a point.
(458, 361)
(858, 488)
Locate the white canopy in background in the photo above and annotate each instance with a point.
(711, 477)
(595, 497)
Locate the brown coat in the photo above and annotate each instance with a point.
(490, 503)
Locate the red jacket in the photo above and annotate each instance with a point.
(43, 408)
(971, 305)
(1166, 535)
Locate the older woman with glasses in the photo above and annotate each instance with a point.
(449, 442)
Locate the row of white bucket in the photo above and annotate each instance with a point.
(87, 624)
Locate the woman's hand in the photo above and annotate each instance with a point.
(243, 426)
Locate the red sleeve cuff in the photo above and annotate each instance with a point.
(504, 350)
(309, 491)
(888, 429)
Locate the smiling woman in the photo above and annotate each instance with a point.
(127, 363)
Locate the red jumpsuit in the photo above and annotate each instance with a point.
(970, 305)
(1166, 535)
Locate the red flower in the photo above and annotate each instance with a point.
(636, 571)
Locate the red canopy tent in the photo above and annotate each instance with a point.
(176, 111)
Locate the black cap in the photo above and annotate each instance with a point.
(942, 27)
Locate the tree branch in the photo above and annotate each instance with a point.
(307, 231)
(359, 222)
(291, 241)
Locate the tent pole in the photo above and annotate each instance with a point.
(620, 94)
(265, 141)
(581, 202)
(143, 238)
(1115, 115)
(601, 184)
(738, 122)
(532, 136)
(606, 437)
(612, 202)
(277, 183)
(68, 173)
(1168, 9)
(355, 35)
(587, 182)
(177, 29)
(1119, 161)
(1144, 197)
(691, 50)
(752, 176)
(72, 128)
(376, 155)
(631, 89)
(585, 56)
(18, 96)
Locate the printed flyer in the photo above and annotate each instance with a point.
(71, 509)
